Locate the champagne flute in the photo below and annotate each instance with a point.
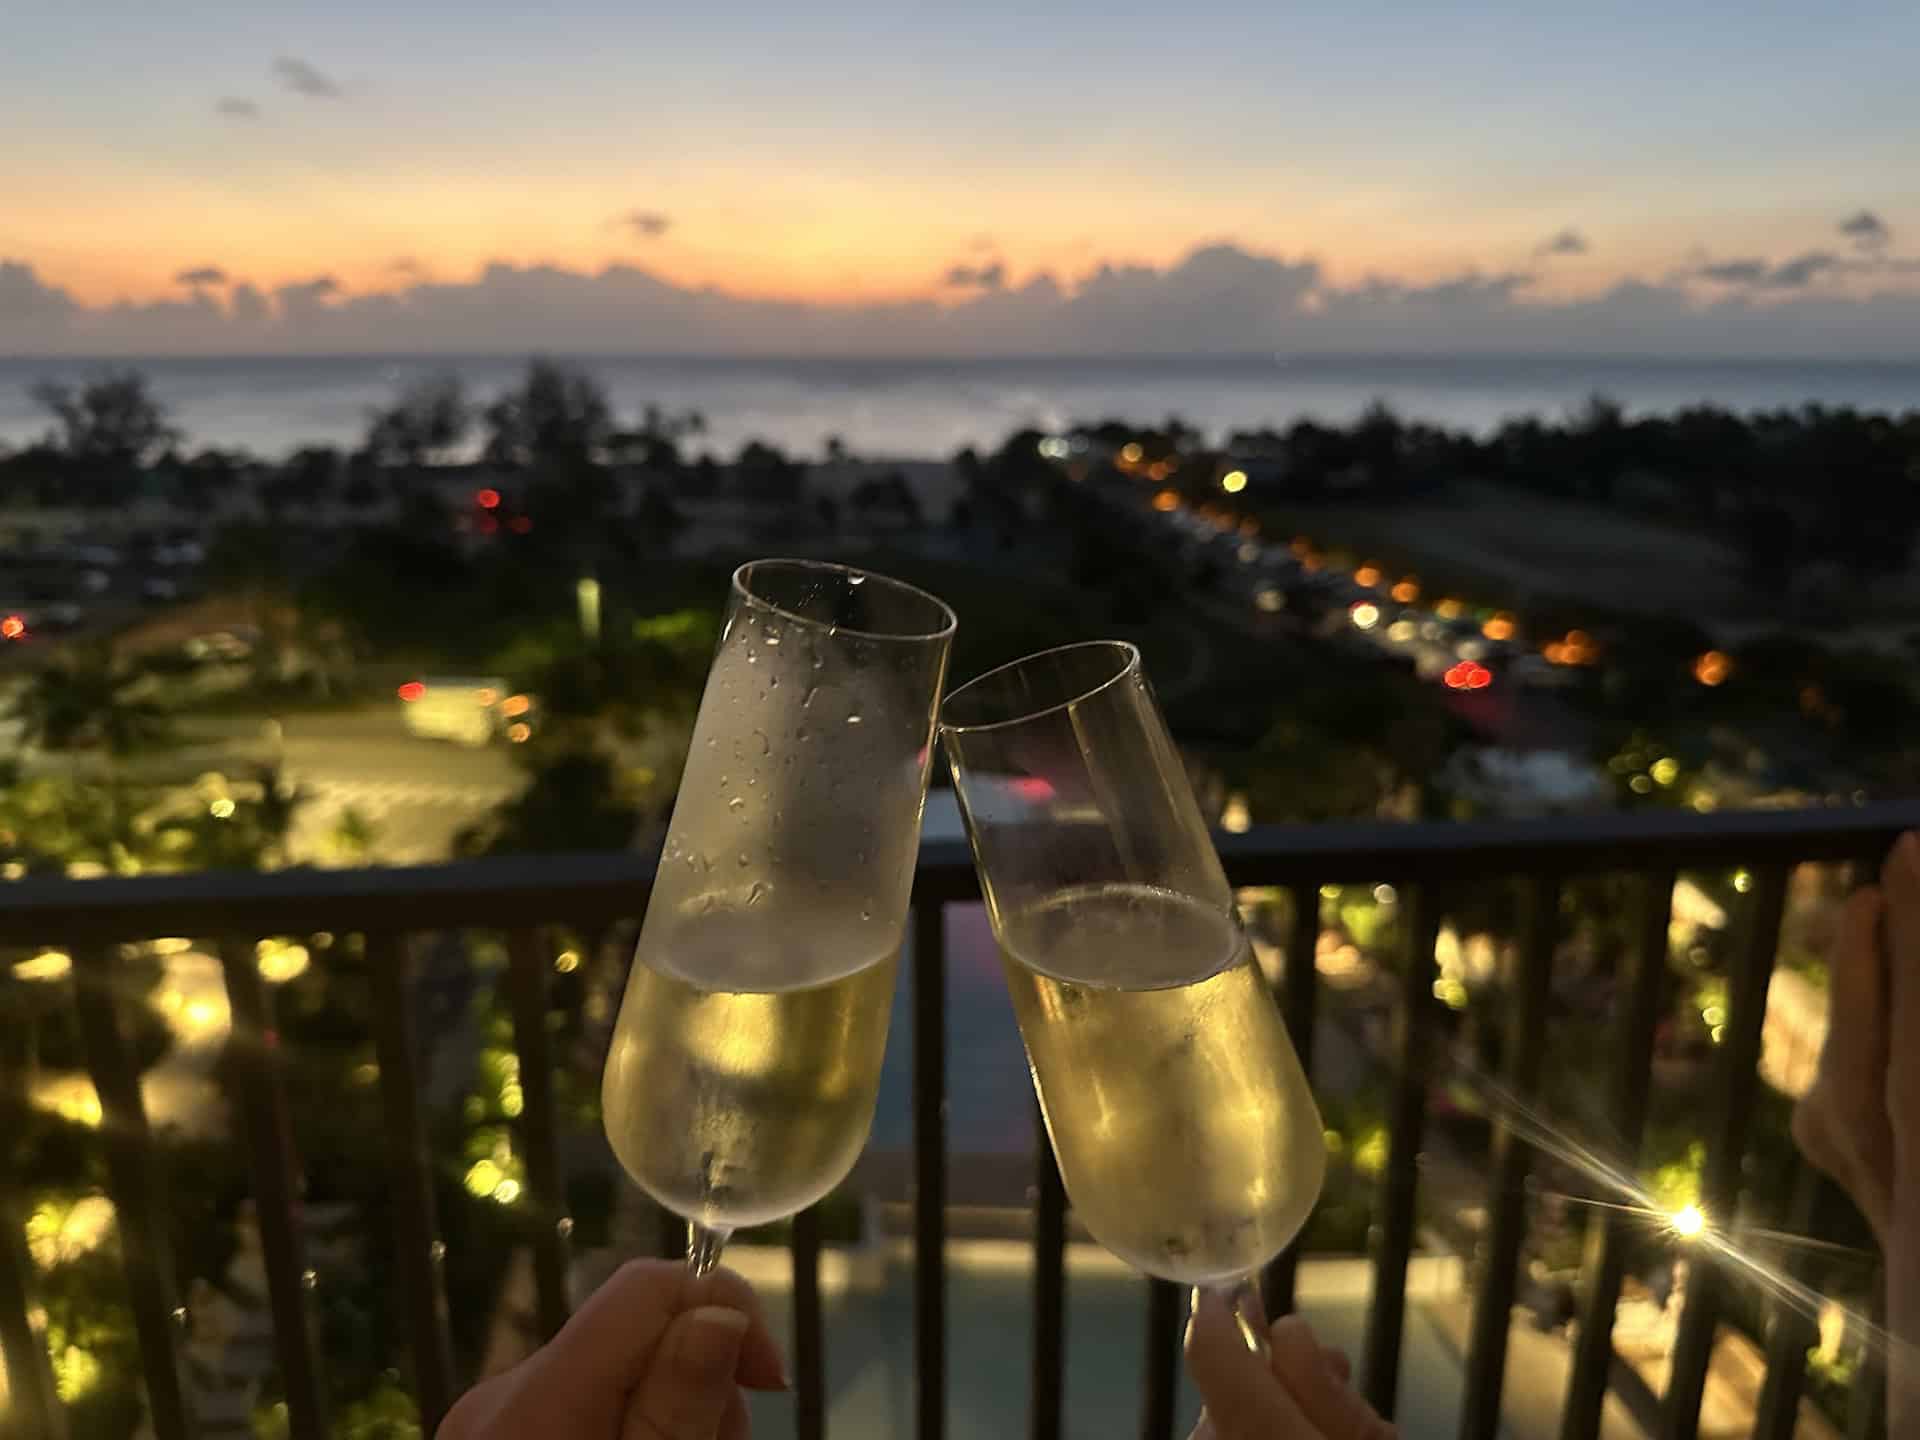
(740, 1085)
(1187, 1138)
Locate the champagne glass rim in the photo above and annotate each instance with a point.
(1126, 657)
(743, 587)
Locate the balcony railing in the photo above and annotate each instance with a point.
(1428, 864)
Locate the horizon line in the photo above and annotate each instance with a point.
(1277, 359)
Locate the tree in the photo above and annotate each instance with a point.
(577, 801)
(427, 421)
(111, 421)
(88, 699)
(559, 420)
(656, 443)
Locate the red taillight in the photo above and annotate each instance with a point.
(412, 691)
(1468, 675)
(487, 499)
(520, 525)
(13, 628)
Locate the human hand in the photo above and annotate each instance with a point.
(1842, 1124)
(655, 1354)
(1300, 1391)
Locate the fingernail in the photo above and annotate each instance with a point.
(720, 1332)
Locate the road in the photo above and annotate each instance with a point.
(414, 793)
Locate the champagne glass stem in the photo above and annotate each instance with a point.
(704, 1244)
(1249, 1311)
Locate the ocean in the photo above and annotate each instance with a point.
(929, 408)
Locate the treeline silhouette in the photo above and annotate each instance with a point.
(1793, 490)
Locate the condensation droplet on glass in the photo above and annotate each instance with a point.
(310, 1279)
(773, 681)
(563, 1227)
(437, 1251)
(772, 637)
(745, 859)
(803, 734)
(866, 912)
(856, 579)
(859, 857)
(853, 719)
(819, 661)
(725, 780)
(738, 802)
(713, 742)
(766, 745)
(752, 658)
(757, 893)
(180, 1316)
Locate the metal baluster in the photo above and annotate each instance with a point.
(809, 1344)
(1526, 1043)
(418, 1249)
(1299, 999)
(1791, 1332)
(258, 1077)
(539, 1126)
(134, 1183)
(930, 1169)
(1726, 1150)
(1867, 1397)
(1164, 1303)
(1644, 982)
(32, 1409)
(1049, 1287)
(1393, 1233)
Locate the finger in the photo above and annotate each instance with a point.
(689, 1389)
(736, 1424)
(1841, 1124)
(1245, 1401)
(1338, 1362)
(1203, 1429)
(610, 1341)
(763, 1365)
(1331, 1406)
(1900, 880)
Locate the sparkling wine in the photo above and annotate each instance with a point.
(740, 1086)
(1187, 1137)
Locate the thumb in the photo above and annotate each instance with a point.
(687, 1389)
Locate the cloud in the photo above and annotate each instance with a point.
(1803, 270)
(977, 277)
(405, 265)
(1866, 230)
(1217, 300)
(303, 79)
(647, 224)
(1563, 242)
(1735, 272)
(1795, 274)
(201, 275)
(981, 243)
(236, 108)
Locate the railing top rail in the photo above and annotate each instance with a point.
(590, 887)
(1563, 845)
